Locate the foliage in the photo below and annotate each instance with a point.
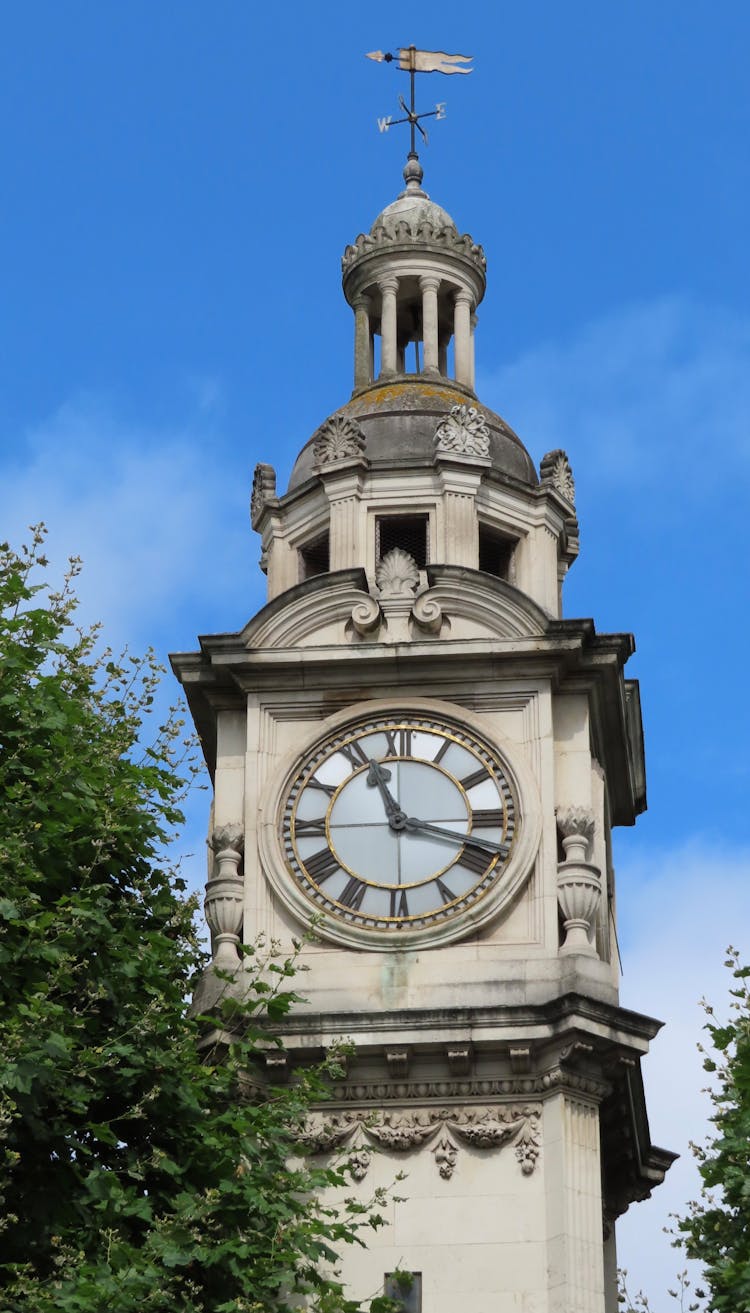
(136, 1172)
(716, 1230)
(640, 1304)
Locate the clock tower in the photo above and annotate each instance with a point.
(414, 751)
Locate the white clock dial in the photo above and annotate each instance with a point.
(398, 822)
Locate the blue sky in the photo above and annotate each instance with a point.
(179, 183)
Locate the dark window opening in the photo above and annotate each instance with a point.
(315, 557)
(405, 1288)
(495, 552)
(409, 532)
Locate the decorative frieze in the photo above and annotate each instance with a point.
(420, 230)
(463, 432)
(405, 1131)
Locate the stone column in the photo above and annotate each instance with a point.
(462, 337)
(443, 356)
(473, 323)
(429, 284)
(388, 344)
(362, 374)
(575, 1258)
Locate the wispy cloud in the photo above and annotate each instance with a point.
(680, 910)
(654, 391)
(157, 520)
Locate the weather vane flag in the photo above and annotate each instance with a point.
(413, 61)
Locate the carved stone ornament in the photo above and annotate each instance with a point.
(464, 432)
(422, 231)
(224, 904)
(427, 613)
(366, 616)
(338, 439)
(397, 574)
(406, 1131)
(264, 490)
(555, 469)
(579, 885)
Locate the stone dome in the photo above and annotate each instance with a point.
(416, 208)
(398, 419)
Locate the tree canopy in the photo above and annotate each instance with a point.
(716, 1230)
(136, 1171)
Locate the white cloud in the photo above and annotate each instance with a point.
(157, 518)
(679, 911)
(651, 391)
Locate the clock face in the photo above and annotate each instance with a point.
(398, 823)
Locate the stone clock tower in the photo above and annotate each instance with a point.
(409, 744)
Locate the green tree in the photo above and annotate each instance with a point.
(136, 1172)
(716, 1230)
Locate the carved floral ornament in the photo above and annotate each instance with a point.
(338, 439)
(421, 231)
(264, 490)
(445, 1129)
(464, 432)
(555, 469)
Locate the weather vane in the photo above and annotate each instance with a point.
(414, 61)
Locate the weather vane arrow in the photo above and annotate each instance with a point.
(413, 61)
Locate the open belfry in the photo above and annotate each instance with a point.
(414, 753)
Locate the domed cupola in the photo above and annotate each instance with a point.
(414, 284)
(414, 462)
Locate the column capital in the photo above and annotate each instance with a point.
(462, 297)
(361, 301)
(429, 282)
(388, 283)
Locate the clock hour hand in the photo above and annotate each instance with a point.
(495, 849)
(377, 777)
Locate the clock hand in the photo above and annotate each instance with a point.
(377, 776)
(497, 850)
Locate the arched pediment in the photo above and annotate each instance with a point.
(458, 603)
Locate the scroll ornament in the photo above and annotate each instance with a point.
(338, 439)
(463, 432)
(404, 1132)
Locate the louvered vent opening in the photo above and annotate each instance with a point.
(495, 552)
(409, 532)
(315, 557)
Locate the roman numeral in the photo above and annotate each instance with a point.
(314, 783)
(444, 746)
(487, 817)
(445, 893)
(399, 904)
(302, 828)
(478, 777)
(474, 860)
(353, 893)
(399, 742)
(355, 754)
(321, 865)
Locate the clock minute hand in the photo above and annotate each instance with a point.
(413, 823)
(377, 777)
